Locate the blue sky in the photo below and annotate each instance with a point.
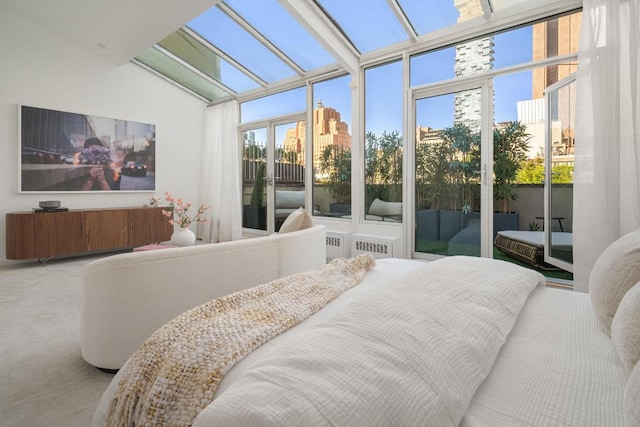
(384, 88)
(384, 83)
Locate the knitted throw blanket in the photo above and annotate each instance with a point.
(174, 374)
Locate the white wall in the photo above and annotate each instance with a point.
(37, 68)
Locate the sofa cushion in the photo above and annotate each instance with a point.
(297, 220)
(383, 209)
(625, 328)
(614, 273)
(289, 199)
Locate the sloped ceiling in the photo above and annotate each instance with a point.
(116, 30)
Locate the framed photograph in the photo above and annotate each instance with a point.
(73, 152)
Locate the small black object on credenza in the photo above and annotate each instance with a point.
(38, 210)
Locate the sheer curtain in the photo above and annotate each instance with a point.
(220, 185)
(607, 156)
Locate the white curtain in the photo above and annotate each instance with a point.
(607, 156)
(220, 185)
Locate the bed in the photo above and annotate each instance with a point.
(459, 341)
(528, 246)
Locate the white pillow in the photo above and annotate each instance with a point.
(297, 220)
(307, 222)
(383, 208)
(614, 273)
(625, 328)
(631, 402)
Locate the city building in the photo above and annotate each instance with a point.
(328, 130)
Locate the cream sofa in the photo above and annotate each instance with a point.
(126, 297)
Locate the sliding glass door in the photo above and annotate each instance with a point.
(560, 146)
(254, 178)
(448, 159)
(288, 169)
(273, 172)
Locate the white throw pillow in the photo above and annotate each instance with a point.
(307, 222)
(383, 208)
(625, 328)
(297, 220)
(614, 273)
(631, 403)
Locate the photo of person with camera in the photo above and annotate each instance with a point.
(102, 175)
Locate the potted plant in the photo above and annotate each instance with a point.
(255, 215)
(431, 187)
(462, 178)
(335, 164)
(383, 167)
(510, 147)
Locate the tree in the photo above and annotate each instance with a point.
(431, 173)
(510, 147)
(463, 165)
(562, 174)
(383, 166)
(531, 172)
(257, 194)
(335, 163)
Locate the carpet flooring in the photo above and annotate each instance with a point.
(43, 379)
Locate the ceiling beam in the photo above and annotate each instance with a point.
(402, 19)
(318, 24)
(318, 74)
(486, 8)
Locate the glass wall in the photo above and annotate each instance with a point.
(447, 113)
(558, 224)
(331, 142)
(383, 143)
(447, 175)
(288, 170)
(433, 66)
(517, 134)
(254, 174)
(291, 101)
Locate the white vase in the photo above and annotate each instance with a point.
(183, 237)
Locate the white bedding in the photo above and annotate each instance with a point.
(435, 341)
(558, 368)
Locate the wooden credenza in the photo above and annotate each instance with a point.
(49, 234)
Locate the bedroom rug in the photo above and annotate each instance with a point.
(43, 379)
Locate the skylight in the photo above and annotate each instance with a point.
(369, 24)
(279, 27)
(223, 32)
(238, 46)
(428, 16)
